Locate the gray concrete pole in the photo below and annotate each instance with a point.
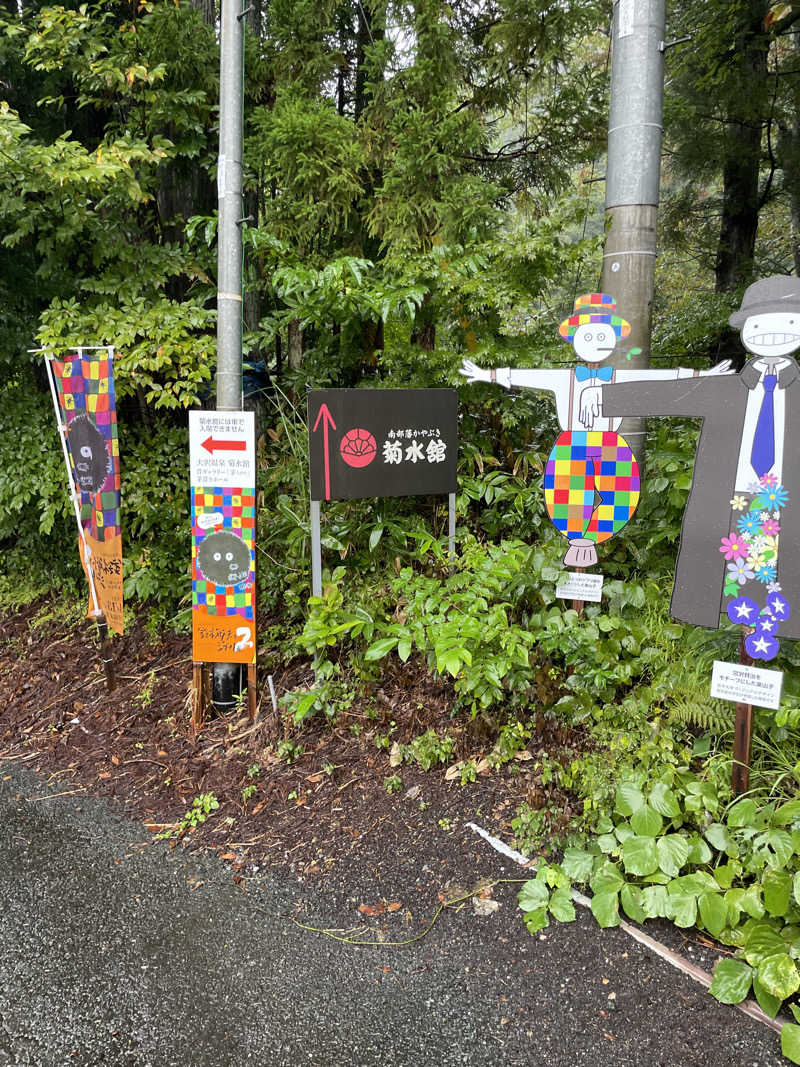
(633, 175)
(229, 192)
(229, 679)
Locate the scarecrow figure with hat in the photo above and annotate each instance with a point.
(591, 482)
(742, 513)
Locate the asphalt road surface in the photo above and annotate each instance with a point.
(120, 952)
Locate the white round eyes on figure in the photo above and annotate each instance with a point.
(86, 452)
(217, 556)
(229, 556)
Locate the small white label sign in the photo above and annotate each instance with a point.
(577, 586)
(625, 18)
(222, 450)
(746, 685)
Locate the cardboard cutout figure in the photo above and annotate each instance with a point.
(591, 482)
(742, 512)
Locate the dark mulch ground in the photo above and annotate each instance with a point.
(327, 808)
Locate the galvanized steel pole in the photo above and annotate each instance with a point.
(633, 173)
(229, 192)
(228, 677)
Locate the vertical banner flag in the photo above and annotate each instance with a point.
(87, 408)
(223, 483)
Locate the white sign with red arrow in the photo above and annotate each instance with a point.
(222, 449)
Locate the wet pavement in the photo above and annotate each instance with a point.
(118, 951)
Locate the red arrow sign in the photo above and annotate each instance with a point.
(327, 419)
(211, 445)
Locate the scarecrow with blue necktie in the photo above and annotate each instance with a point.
(740, 542)
(591, 482)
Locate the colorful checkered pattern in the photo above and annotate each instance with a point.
(238, 510)
(591, 484)
(594, 307)
(85, 386)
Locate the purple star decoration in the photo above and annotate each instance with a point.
(761, 646)
(744, 611)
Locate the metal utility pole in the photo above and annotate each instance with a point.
(633, 172)
(227, 677)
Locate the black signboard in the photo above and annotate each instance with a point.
(382, 442)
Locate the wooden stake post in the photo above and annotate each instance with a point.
(742, 734)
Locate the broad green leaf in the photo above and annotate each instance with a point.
(777, 886)
(639, 855)
(607, 843)
(795, 1010)
(631, 899)
(724, 875)
(673, 852)
(796, 888)
(606, 878)
(778, 975)
(731, 981)
(682, 908)
(663, 800)
(534, 894)
(769, 1003)
(751, 902)
(577, 864)
(536, 920)
(375, 537)
(787, 813)
(605, 908)
(623, 832)
(379, 649)
(655, 901)
(646, 822)
(776, 847)
(790, 1042)
(742, 813)
(629, 798)
(762, 940)
(561, 906)
(699, 852)
(718, 836)
(404, 648)
(713, 912)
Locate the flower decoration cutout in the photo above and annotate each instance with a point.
(771, 498)
(743, 610)
(761, 646)
(739, 503)
(770, 527)
(739, 572)
(749, 523)
(733, 547)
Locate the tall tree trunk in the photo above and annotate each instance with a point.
(208, 9)
(740, 199)
(295, 345)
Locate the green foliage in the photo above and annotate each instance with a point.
(676, 847)
(202, 807)
(428, 749)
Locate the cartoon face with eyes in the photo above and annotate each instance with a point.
(90, 459)
(223, 558)
(769, 318)
(776, 333)
(595, 341)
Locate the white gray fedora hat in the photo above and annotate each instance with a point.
(781, 292)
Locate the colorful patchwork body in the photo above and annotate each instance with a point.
(86, 388)
(237, 509)
(591, 484)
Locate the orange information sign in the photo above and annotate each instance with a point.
(222, 465)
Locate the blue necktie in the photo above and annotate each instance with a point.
(763, 455)
(604, 374)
